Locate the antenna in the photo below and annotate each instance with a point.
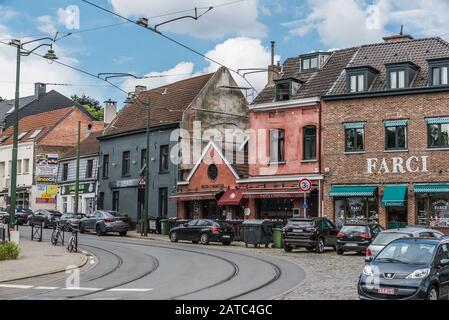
(402, 30)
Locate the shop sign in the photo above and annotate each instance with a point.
(47, 165)
(397, 165)
(440, 206)
(83, 187)
(46, 179)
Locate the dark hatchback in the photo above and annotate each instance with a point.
(203, 231)
(408, 269)
(356, 237)
(314, 234)
(49, 218)
(22, 215)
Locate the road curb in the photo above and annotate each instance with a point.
(85, 254)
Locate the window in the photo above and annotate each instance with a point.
(21, 135)
(65, 171)
(64, 205)
(397, 79)
(438, 132)
(357, 83)
(354, 137)
(163, 202)
(19, 166)
(26, 166)
(277, 145)
(143, 158)
(164, 158)
(35, 133)
(89, 168)
(115, 200)
(126, 163)
(285, 88)
(309, 63)
(309, 134)
(212, 172)
(396, 135)
(100, 204)
(440, 76)
(105, 166)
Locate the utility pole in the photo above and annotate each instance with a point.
(77, 181)
(147, 172)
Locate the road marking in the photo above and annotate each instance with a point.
(82, 289)
(15, 286)
(46, 288)
(128, 290)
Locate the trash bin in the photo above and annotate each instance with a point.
(257, 232)
(277, 238)
(155, 225)
(165, 227)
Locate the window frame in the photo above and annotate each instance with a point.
(115, 200)
(89, 168)
(163, 202)
(164, 165)
(280, 145)
(355, 139)
(126, 163)
(105, 167)
(278, 97)
(439, 146)
(65, 171)
(438, 65)
(313, 145)
(396, 147)
(397, 71)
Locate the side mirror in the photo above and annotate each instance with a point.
(444, 262)
(369, 259)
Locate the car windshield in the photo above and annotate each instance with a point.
(354, 229)
(409, 252)
(385, 238)
(112, 213)
(78, 216)
(300, 223)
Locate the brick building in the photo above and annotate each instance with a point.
(385, 135)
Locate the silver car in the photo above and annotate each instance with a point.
(104, 221)
(387, 236)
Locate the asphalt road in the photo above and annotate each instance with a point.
(126, 268)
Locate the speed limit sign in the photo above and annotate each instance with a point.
(305, 185)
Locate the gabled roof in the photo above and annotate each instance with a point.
(45, 121)
(7, 105)
(379, 55)
(167, 106)
(89, 146)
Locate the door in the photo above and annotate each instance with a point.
(91, 220)
(331, 232)
(397, 217)
(197, 230)
(443, 253)
(185, 233)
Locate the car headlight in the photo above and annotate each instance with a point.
(419, 274)
(368, 271)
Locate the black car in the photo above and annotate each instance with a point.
(314, 234)
(203, 231)
(22, 215)
(356, 237)
(49, 218)
(407, 268)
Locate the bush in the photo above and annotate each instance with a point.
(9, 251)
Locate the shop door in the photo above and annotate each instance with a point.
(397, 217)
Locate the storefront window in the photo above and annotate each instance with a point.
(439, 211)
(421, 205)
(356, 210)
(276, 209)
(373, 210)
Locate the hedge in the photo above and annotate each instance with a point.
(9, 251)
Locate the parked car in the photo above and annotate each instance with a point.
(4, 217)
(408, 268)
(22, 215)
(50, 218)
(203, 231)
(385, 237)
(104, 221)
(71, 220)
(356, 237)
(314, 234)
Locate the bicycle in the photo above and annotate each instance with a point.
(73, 241)
(56, 234)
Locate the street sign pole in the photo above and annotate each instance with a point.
(305, 185)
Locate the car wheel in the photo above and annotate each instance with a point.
(433, 293)
(287, 248)
(173, 237)
(204, 239)
(99, 232)
(122, 234)
(81, 227)
(319, 246)
(340, 252)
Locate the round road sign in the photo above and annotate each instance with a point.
(305, 185)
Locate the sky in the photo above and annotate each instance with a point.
(234, 33)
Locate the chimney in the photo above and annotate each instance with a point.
(110, 111)
(140, 89)
(273, 70)
(40, 89)
(401, 37)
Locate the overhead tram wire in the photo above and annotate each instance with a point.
(172, 39)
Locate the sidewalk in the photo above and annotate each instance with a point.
(39, 258)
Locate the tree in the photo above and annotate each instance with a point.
(90, 104)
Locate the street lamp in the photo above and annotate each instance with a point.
(50, 55)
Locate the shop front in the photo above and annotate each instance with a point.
(432, 206)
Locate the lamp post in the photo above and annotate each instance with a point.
(50, 55)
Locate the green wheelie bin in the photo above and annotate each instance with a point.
(277, 238)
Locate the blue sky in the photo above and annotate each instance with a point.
(237, 33)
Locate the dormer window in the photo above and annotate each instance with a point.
(286, 88)
(360, 79)
(309, 63)
(438, 72)
(313, 61)
(401, 75)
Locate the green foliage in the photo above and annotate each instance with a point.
(9, 251)
(97, 113)
(90, 104)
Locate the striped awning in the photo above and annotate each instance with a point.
(396, 123)
(444, 120)
(357, 125)
(442, 188)
(353, 191)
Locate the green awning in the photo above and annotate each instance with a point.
(396, 123)
(358, 125)
(441, 188)
(353, 191)
(394, 196)
(444, 120)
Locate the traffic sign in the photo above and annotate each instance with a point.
(305, 185)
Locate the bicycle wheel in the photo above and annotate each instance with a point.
(71, 245)
(53, 239)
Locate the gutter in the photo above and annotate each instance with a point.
(285, 104)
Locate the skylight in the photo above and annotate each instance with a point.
(35, 133)
(21, 135)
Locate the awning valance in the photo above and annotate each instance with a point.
(442, 120)
(358, 125)
(193, 196)
(231, 198)
(273, 194)
(395, 123)
(394, 196)
(442, 188)
(353, 191)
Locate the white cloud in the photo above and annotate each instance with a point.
(240, 18)
(46, 24)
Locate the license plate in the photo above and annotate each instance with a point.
(297, 230)
(351, 244)
(389, 291)
(226, 236)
